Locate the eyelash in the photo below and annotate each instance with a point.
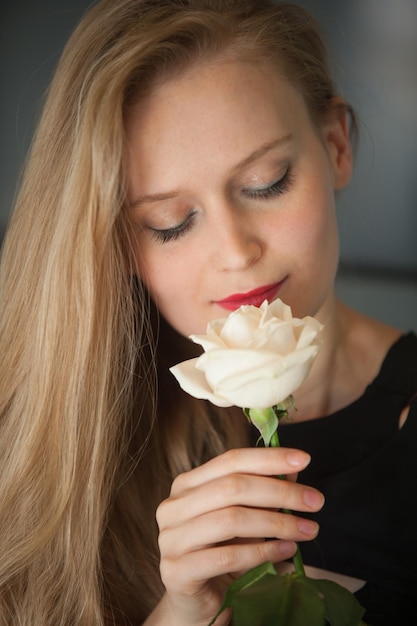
(172, 234)
(264, 193)
(275, 189)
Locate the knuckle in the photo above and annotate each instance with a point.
(280, 525)
(263, 551)
(179, 483)
(288, 493)
(163, 513)
(228, 559)
(231, 520)
(169, 572)
(233, 485)
(163, 542)
(232, 458)
(160, 513)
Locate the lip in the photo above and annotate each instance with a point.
(254, 297)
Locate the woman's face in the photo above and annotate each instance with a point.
(231, 188)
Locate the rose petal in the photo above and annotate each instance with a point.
(255, 358)
(264, 377)
(308, 332)
(267, 390)
(208, 342)
(278, 337)
(281, 311)
(194, 382)
(239, 331)
(223, 365)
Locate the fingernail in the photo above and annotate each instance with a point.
(296, 458)
(313, 499)
(287, 548)
(307, 527)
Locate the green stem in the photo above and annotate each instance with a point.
(297, 559)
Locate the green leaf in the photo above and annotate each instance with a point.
(282, 600)
(242, 582)
(342, 608)
(261, 597)
(250, 578)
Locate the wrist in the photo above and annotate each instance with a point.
(165, 615)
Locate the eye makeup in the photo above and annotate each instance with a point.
(164, 235)
(271, 190)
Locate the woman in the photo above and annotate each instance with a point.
(185, 163)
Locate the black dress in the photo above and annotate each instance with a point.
(367, 468)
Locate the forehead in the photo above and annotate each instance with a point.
(229, 98)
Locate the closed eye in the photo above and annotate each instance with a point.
(267, 192)
(164, 235)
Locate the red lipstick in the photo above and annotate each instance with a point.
(254, 297)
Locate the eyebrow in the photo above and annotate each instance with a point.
(260, 152)
(254, 156)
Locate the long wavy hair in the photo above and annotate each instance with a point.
(92, 428)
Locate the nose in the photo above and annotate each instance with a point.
(236, 244)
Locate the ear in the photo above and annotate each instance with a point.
(337, 139)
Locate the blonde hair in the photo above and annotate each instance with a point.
(83, 463)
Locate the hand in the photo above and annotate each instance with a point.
(214, 524)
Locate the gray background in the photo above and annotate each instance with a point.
(373, 45)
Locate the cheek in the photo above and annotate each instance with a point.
(160, 281)
(322, 251)
(323, 241)
(327, 230)
(152, 270)
(181, 313)
(170, 285)
(319, 225)
(308, 234)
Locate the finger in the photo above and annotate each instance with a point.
(260, 492)
(233, 523)
(265, 461)
(188, 574)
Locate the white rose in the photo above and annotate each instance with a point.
(256, 357)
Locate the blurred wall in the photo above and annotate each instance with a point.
(373, 46)
(32, 35)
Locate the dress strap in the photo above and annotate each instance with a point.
(398, 373)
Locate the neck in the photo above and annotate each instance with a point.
(353, 347)
(313, 398)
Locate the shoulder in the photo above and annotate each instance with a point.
(369, 341)
(384, 355)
